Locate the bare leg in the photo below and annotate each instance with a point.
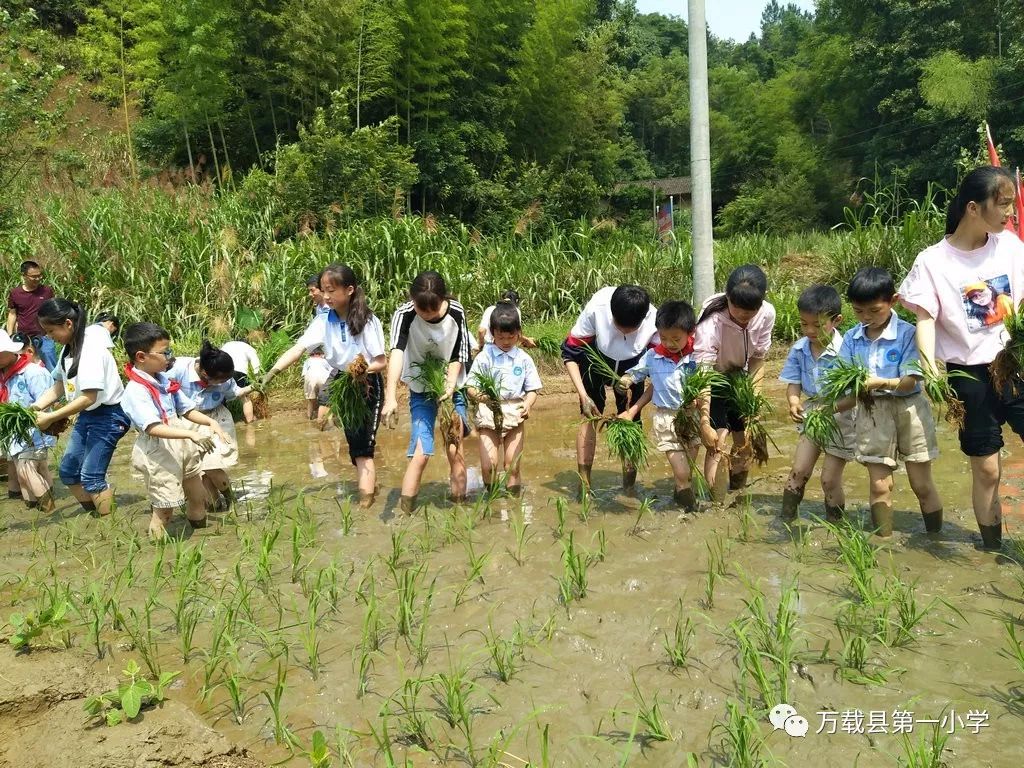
(881, 497)
(195, 498)
(680, 469)
(514, 441)
(158, 523)
(832, 470)
(923, 486)
(488, 454)
(414, 473)
(457, 469)
(804, 459)
(366, 475)
(986, 473)
(247, 410)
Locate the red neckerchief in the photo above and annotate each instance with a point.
(675, 357)
(172, 387)
(17, 367)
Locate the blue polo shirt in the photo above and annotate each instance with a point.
(206, 398)
(801, 367)
(666, 375)
(515, 369)
(24, 388)
(891, 356)
(142, 409)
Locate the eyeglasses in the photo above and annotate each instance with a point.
(167, 353)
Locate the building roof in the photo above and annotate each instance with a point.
(674, 185)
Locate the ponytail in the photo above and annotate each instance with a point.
(58, 312)
(745, 288)
(359, 312)
(215, 362)
(980, 185)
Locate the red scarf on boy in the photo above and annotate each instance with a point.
(153, 391)
(675, 357)
(13, 370)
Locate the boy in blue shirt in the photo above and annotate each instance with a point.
(899, 425)
(667, 365)
(815, 352)
(168, 450)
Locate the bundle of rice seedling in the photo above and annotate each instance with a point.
(488, 386)
(600, 366)
(752, 406)
(347, 396)
(1009, 363)
(432, 374)
(695, 387)
(549, 343)
(259, 397)
(843, 379)
(937, 388)
(16, 424)
(627, 442)
(821, 427)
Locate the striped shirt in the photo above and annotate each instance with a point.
(446, 339)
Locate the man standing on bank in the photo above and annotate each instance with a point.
(22, 308)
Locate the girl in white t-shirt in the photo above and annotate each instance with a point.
(86, 376)
(976, 256)
(349, 330)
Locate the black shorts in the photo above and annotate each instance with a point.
(723, 414)
(241, 379)
(361, 438)
(986, 411)
(595, 385)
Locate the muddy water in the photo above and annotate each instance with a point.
(576, 676)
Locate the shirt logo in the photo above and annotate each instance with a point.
(892, 355)
(517, 371)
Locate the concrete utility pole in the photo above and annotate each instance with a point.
(700, 156)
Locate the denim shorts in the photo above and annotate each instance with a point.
(91, 446)
(424, 416)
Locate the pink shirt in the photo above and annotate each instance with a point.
(721, 342)
(966, 292)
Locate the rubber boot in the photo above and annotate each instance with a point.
(991, 536)
(584, 472)
(686, 499)
(881, 518)
(932, 521)
(407, 505)
(738, 480)
(628, 478)
(791, 504)
(835, 514)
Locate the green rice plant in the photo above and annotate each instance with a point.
(599, 364)
(926, 752)
(264, 562)
(475, 562)
(372, 626)
(345, 742)
(901, 612)
(821, 427)
(520, 528)
(418, 642)
(845, 379)
(753, 407)
(718, 550)
(140, 629)
(696, 387)
(767, 642)
(560, 510)
(1014, 646)
(572, 584)
(506, 653)
(742, 742)
(282, 732)
(1007, 366)
(644, 509)
(17, 423)
(648, 713)
(309, 633)
(92, 608)
(363, 675)
(754, 665)
(627, 442)
(710, 580)
(126, 701)
(345, 510)
(398, 549)
(327, 584)
(348, 395)
(488, 392)
(413, 720)
(856, 630)
(940, 392)
(860, 557)
(597, 556)
(452, 692)
(586, 506)
(383, 740)
(679, 644)
(407, 585)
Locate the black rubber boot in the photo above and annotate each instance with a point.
(686, 499)
(628, 478)
(991, 536)
(835, 514)
(791, 504)
(407, 505)
(738, 480)
(881, 518)
(932, 521)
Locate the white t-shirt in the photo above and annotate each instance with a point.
(316, 368)
(447, 339)
(515, 369)
(340, 345)
(485, 323)
(968, 293)
(243, 355)
(595, 323)
(98, 370)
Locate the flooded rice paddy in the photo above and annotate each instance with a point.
(534, 631)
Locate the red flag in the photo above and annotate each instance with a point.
(1020, 208)
(993, 156)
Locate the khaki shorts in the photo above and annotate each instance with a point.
(223, 455)
(663, 432)
(32, 474)
(164, 464)
(311, 384)
(896, 429)
(847, 421)
(484, 419)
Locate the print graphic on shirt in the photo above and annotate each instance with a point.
(987, 302)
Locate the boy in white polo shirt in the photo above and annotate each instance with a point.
(167, 452)
(520, 383)
(617, 323)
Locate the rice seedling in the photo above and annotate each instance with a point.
(696, 387)
(753, 407)
(363, 675)
(93, 608)
(627, 442)
(264, 562)
(398, 550)
(710, 580)
(679, 644)
(752, 665)
(475, 562)
(487, 385)
(16, 424)
(718, 550)
(855, 630)
(310, 636)
(599, 364)
(560, 509)
(506, 653)
(742, 742)
(820, 426)
(1014, 646)
(345, 515)
(407, 584)
(327, 584)
(418, 643)
(520, 528)
(345, 743)
(1007, 366)
(372, 626)
(586, 505)
(926, 752)
(259, 396)
(347, 397)
(859, 556)
(649, 714)
(140, 629)
(938, 390)
(597, 556)
(432, 375)
(572, 584)
(644, 509)
(413, 720)
(282, 732)
(451, 691)
(845, 379)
